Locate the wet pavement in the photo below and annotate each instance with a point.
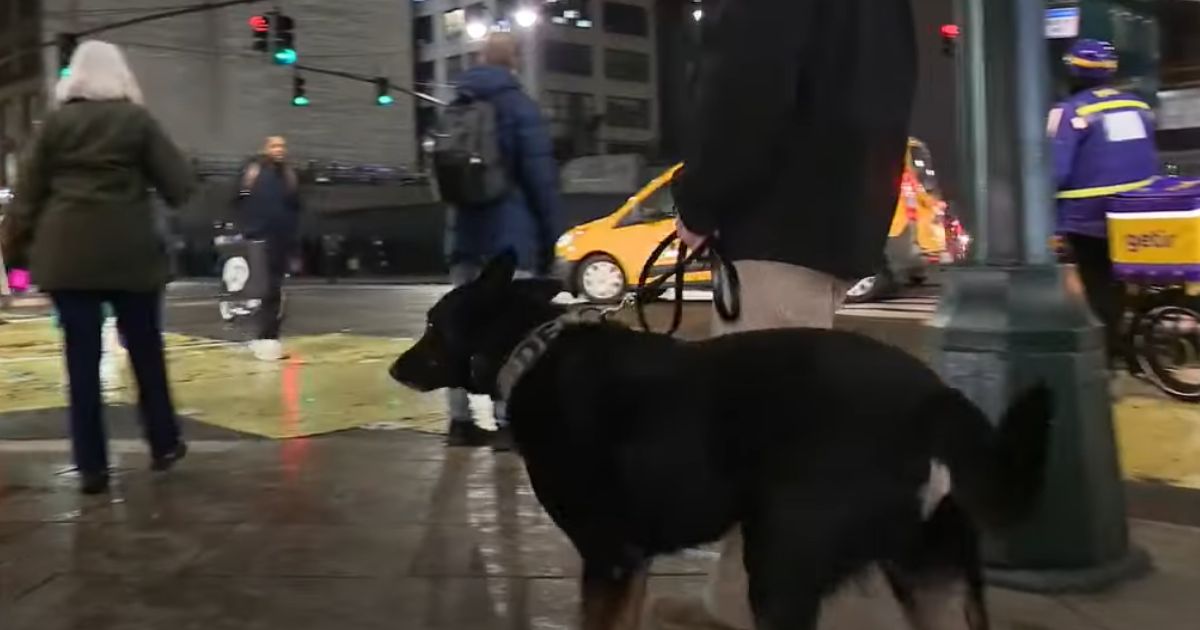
(366, 521)
(380, 530)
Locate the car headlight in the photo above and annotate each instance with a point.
(565, 240)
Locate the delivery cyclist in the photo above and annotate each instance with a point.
(1103, 142)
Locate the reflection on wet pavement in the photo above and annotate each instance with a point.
(388, 532)
(331, 382)
(380, 530)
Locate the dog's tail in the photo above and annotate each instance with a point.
(997, 473)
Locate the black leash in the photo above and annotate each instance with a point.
(726, 284)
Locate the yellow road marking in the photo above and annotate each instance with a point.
(333, 382)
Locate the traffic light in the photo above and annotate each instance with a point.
(299, 99)
(260, 27)
(382, 97)
(950, 33)
(67, 43)
(283, 40)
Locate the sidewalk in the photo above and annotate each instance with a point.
(383, 529)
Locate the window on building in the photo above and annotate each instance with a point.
(423, 29)
(626, 65)
(478, 11)
(1180, 61)
(626, 19)
(568, 58)
(423, 74)
(571, 12)
(566, 107)
(454, 24)
(454, 67)
(631, 113)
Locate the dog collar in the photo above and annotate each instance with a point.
(532, 347)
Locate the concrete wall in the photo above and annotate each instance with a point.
(218, 98)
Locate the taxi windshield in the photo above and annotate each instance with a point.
(921, 163)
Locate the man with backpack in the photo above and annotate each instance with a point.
(495, 167)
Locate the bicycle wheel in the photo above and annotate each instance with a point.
(1170, 350)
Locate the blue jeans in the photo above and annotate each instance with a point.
(458, 399)
(139, 319)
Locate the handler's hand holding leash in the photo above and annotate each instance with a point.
(726, 285)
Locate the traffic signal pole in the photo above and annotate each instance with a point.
(1013, 317)
(372, 80)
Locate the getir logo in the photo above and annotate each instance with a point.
(1149, 240)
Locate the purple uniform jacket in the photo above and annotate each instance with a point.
(1103, 145)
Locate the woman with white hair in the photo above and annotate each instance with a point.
(83, 212)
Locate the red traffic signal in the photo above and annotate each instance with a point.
(260, 24)
(950, 33)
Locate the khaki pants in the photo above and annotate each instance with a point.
(774, 295)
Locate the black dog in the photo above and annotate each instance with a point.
(831, 450)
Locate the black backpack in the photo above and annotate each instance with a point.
(467, 161)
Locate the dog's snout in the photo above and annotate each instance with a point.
(395, 370)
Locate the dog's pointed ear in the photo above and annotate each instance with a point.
(540, 289)
(498, 273)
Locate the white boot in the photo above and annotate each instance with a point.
(267, 349)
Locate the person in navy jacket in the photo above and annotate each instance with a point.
(527, 221)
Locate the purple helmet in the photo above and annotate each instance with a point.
(1091, 59)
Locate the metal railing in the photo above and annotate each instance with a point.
(318, 171)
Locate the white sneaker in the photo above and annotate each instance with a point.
(267, 349)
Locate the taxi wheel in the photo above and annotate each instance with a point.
(600, 279)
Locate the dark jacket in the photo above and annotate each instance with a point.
(269, 201)
(529, 219)
(800, 129)
(83, 210)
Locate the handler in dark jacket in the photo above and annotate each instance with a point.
(794, 164)
(527, 221)
(85, 216)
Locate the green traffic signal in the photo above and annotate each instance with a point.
(285, 56)
(385, 100)
(64, 72)
(300, 101)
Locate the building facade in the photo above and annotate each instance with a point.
(591, 64)
(217, 98)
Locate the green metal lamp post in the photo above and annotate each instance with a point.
(1014, 317)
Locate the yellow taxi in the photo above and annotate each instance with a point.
(601, 260)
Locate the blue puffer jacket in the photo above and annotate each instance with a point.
(529, 219)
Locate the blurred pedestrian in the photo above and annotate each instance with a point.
(1103, 145)
(83, 212)
(269, 210)
(526, 219)
(794, 165)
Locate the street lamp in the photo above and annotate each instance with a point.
(1014, 317)
(526, 17)
(477, 30)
